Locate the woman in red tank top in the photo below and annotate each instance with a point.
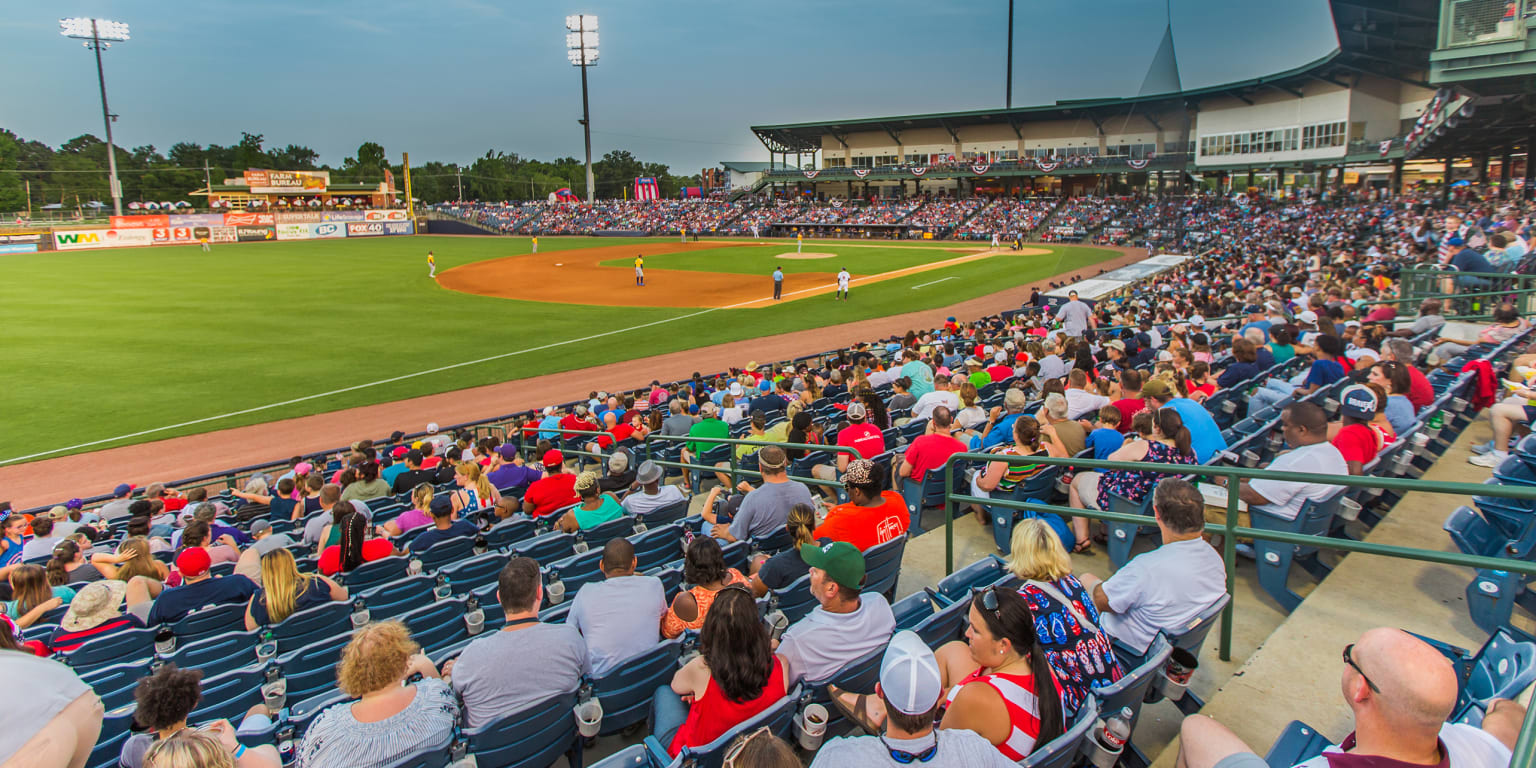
(735, 677)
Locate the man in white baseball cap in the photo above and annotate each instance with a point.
(900, 713)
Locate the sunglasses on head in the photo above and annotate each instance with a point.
(986, 597)
(736, 749)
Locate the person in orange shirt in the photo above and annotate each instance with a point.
(871, 516)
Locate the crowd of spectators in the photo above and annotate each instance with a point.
(1008, 219)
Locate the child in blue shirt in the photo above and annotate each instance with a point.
(1105, 437)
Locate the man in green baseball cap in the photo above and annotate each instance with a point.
(845, 625)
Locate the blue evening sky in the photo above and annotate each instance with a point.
(679, 81)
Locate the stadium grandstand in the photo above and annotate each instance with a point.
(1265, 499)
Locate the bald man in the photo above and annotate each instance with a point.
(1401, 691)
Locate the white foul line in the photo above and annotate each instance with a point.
(940, 280)
(403, 377)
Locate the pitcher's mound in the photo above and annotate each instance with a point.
(806, 255)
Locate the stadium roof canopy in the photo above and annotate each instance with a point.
(1383, 38)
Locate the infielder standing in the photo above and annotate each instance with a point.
(842, 284)
(640, 270)
(535, 245)
(431, 265)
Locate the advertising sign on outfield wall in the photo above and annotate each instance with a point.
(249, 220)
(293, 231)
(81, 239)
(255, 234)
(395, 215)
(140, 222)
(366, 229)
(328, 229)
(22, 237)
(221, 234)
(18, 248)
(299, 217)
(173, 235)
(341, 216)
(196, 220)
(399, 227)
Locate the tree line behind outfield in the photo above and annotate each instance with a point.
(77, 169)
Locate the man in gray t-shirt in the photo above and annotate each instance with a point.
(765, 510)
(620, 616)
(1075, 316)
(504, 672)
(679, 422)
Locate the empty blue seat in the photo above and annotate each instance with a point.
(1122, 536)
(215, 653)
(626, 691)
(921, 494)
(657, 546)
(311, 669)
(209, 620)
(794, 600)
(510, 531)
(311, 624)
(574, 572)
(598, 535)
(229, 695)
(373, 574)
(982, 573)
(1275, 559)
(546, 548)
(882, 566)
(475, 572)
(1064, 751)
(1297, 744)
(113, 648)
(632, 756)
(533, 738)
(396, 597)
(934, 619)
(444, 552)
(437, 625)
(1131, 690)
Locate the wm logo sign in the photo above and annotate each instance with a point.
(77, 238)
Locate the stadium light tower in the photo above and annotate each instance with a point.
(98, 34)
(581, 49)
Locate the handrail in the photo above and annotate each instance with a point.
(835, 449)
(1525, 746)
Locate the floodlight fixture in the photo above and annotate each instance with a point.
(99, 34)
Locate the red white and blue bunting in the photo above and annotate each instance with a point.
(811, 174)
(1137, 164)
(837, 202)
(861, 172)
(980, 168)
(919, 171)
(1045, 166)
(1385, 147)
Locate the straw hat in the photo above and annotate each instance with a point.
(95, 604)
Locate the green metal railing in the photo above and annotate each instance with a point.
(736, 471)
(1474, 295)
(1230, 530)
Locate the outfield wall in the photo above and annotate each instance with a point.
(190, 228)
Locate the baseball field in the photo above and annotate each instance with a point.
(113, 347)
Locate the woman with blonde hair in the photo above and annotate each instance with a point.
(475, 489)
(284, 591)
(782, 569)
(420, 513)
(189, 748)
(971, 414)
(1061, 604)
(594, 508)
(391, 719)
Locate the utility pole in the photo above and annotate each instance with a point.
(581, 50)
(97, 33)
(207, 180)
(1008, 97)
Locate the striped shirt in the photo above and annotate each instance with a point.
(1018, 694)
(336, 739)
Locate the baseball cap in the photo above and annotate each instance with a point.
(909, 674)
(553, 458)
(618, 463)
(1157, 388)
(258, 526)
(580, 409)
(1454, 240)
(857, 412)
(735, 389)
(1001, 357)
(441, 506)
(973, 360)
(1359, 401)
(1252, 309)
(843, 562)
(707, 409)
(123, 489)
(1014, 398)
(507, 451)
(1197, 321)
(432, 428)
(399, 452)
(193, 562)
(1115, 344)
(303, 468)
(1307, 316)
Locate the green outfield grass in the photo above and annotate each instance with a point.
(109, 343)
(761, 259)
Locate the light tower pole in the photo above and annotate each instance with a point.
(581, 50)
(98, 34)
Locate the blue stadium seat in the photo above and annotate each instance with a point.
(546, 548)
(632, 756)
(115, 683)
(598, 535)
(1037, 489)
(229, 695)
(109, 744)
(1064, 751)
(208, 621)
(369, 575)
(533, 738)
(670, 513)
(882, 566)
(445, 552)
(778, 719)
(794, 600)
(574, 572)
(626, 691)
(1122, 536)
(438, 625)
(658, 545)
(510, 531)
(860, 675)
(396, 597)
(934, 619)
(1131, 690)
(1492, 596)
(475, 572)
(919, 495)
(113, 648)
(1275, 559)
(1297, 744)
(773, 543)
(311, 624)
(311, 669)
(215, 653)
(982, 573)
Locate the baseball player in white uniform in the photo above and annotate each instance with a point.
(842, 284)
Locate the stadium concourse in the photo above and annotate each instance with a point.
(583, 552)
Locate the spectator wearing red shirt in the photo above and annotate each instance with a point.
(871, 517)
(1131, 402)
(931, 449)
(355, 547)
(1000, 370)
(1420, 392)
(860, 435)
(1356, 439)
(577, 421)
(554, 491)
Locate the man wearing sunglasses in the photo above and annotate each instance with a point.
(910, 687)
(1401, 691)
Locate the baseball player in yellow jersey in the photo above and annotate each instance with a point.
(639, 270)
(535, 245)
(431, 265)
(799, 242)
